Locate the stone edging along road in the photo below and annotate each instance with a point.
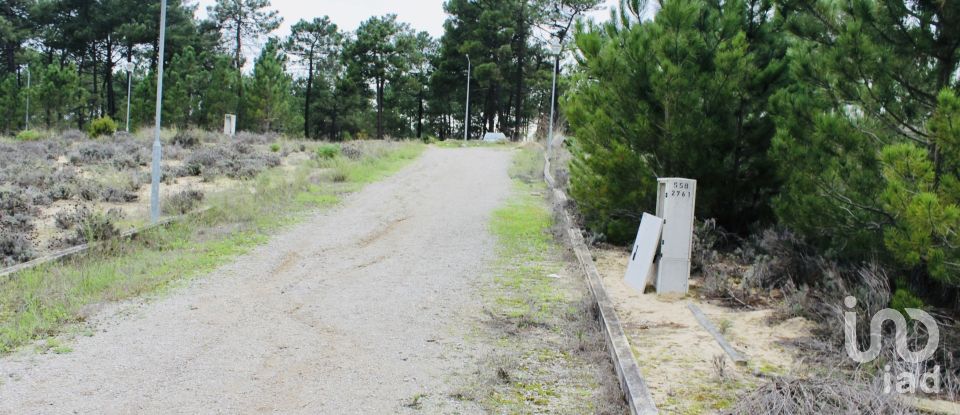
(632, 384)
(74, 250)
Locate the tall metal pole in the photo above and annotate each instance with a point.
(155, 185)
(466, 118)
(553, 100)
(26, 120)
(129, 84)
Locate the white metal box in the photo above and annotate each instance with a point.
(230, 125)
(676, 199)
(641, 265)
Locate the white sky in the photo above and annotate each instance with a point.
(423, 15)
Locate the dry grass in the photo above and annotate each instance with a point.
(814, 396)
(548, 355)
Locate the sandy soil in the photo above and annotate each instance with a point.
(362, 309)
(676, 355)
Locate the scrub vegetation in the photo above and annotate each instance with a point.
(38, 303)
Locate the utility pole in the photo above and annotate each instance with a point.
(466, 118)
(555, 48)
(155, 185)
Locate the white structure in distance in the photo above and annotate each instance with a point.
(230, 125)
(493, 137)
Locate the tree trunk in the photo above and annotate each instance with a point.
(96, 110)
(521, 61)
(307, 98)
(946, 68)
(380, 85)
(420, 114)
(111, 94)
(10, 53)
(239, 60)
(80, 111)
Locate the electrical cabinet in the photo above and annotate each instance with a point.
(229, 125)
(641, 265)
(676, 199)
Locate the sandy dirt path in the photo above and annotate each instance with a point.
(357, 310)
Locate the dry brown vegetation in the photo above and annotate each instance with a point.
(69, 189)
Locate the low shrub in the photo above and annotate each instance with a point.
(118, 195)
(13, 202)
(29, 135)
(68, 218)
(237, 160)
(122, 135)
(16, 227)
(275, 147)
(187, 138)
(35, 174)
(39, 198)
(92, 153)
(102, 126)
(339, 176)
(60, 191)
(328, 151)
(183, 202)
(125, 161)
(89, 191)
(352, 150)
(819, 395)
(72, 135)
(15, 248)
(97, 226)
(252, 138)
(17, 223)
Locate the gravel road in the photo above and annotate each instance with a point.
(361, 309)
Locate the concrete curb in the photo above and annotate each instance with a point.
(69, 252)
(632, 384)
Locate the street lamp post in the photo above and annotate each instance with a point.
(466, 118)
(129, 68)
(26, 118)
(155, 185)
(555, 48)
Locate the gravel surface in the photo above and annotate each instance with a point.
(362, 309)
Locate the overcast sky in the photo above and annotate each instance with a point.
(423, 15)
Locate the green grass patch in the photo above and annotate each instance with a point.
(538, 367)
(29, 135)
(38, 303)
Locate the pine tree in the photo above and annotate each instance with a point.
(243, 21)
(866, 171)
(925, 233)
(58, 93)
(377, 52)
(686, 96)
(317, 43)
(270, 89)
